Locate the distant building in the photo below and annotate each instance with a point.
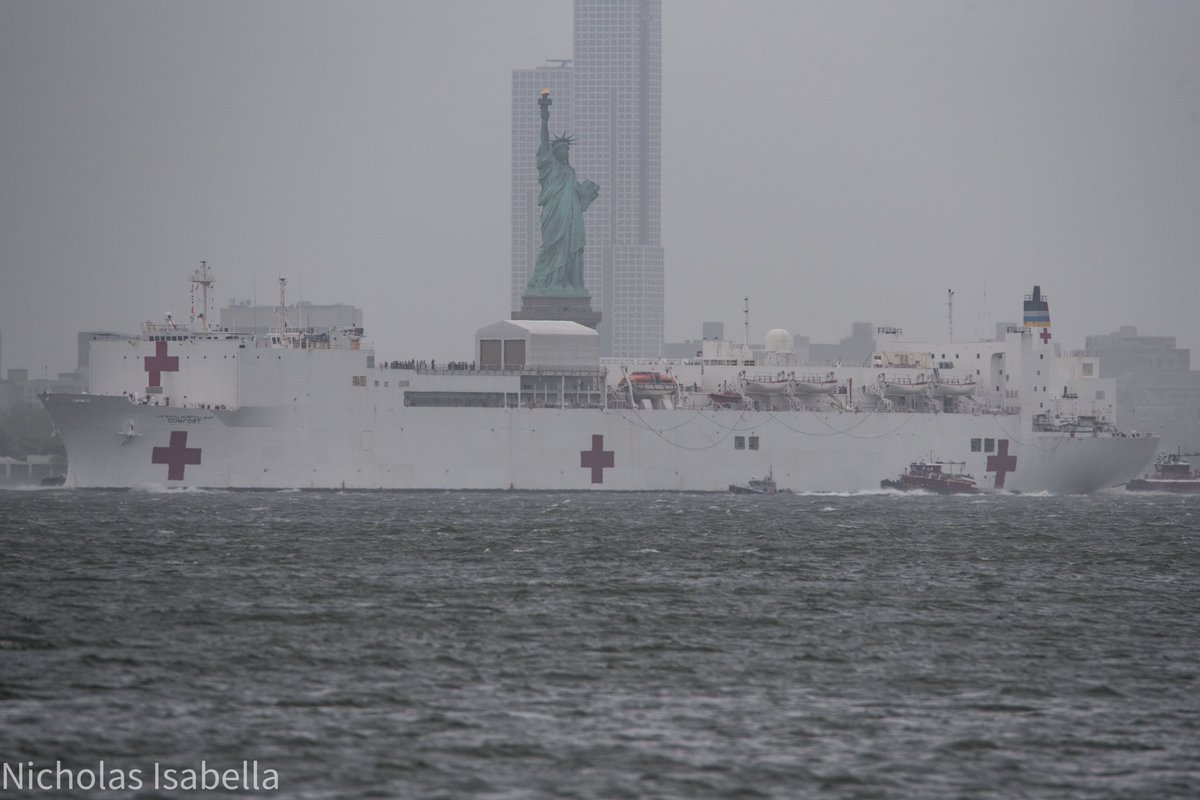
(1157, 391)
(246, 318)
(30, 469)
(18, 387)
(856, 348)
(618, 117)
(690, 348)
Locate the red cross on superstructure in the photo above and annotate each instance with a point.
(160, 362)
(597, 458)
(1001, 463)
(1045, 334)
(177, 456)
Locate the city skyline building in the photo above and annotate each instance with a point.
(247, 317)
(1157, 390)
(616, 112)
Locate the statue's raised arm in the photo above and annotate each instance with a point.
(559, 268)
(544, 105)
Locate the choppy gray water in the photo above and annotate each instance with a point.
(507, 645)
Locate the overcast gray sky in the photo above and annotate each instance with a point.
(833, 161)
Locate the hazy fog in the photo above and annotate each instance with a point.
(833, 161)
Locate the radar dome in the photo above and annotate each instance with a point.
(778, 341)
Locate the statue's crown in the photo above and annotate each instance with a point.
(564, 139)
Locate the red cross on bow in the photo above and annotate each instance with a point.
(177, 456)
(1045, 334)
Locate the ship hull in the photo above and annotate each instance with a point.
(113, 443)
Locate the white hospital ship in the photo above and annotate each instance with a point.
(535, 408)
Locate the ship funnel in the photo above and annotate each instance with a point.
(1037, 313)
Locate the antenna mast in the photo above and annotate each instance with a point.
(746, 338)
(204, 279)
(983, 317)
(950, 311)
(283, 305)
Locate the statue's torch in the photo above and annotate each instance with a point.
(544, 100)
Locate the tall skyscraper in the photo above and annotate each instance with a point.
(616, 112)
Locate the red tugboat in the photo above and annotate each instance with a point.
(1171, 474)
(929, 476)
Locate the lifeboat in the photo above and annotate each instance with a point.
(905, 387)
(767, 385)
(954, 387)
(813, 384)
(649, 384)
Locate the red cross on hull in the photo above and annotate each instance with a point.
(160, 362)
(1001, 463)
(176, 456)
(597, 459)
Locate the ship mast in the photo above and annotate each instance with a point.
(746, 336)
(950, 311)
(203, 278)
(282, 305)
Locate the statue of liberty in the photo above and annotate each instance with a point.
(559, 268)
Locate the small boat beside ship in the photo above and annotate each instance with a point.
(939, 477)
(765, 485)
(1171, 474)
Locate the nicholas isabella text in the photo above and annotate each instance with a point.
(27, 776)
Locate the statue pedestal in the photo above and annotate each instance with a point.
(573, 309)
